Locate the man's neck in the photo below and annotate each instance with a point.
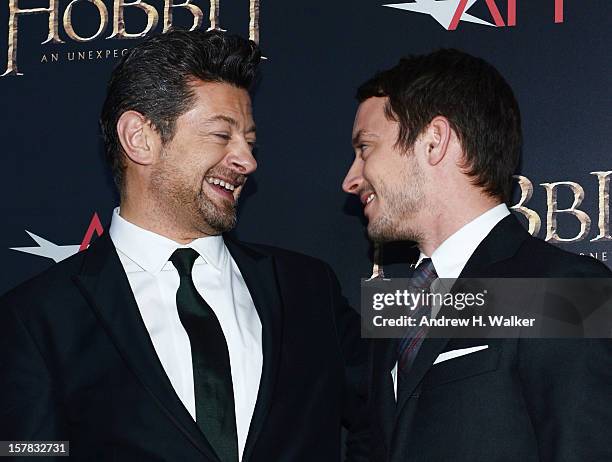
(149, 217)
(451, 217)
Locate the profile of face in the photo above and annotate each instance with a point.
(388, 180)
(201, 171)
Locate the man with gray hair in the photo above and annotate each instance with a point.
(167, 339)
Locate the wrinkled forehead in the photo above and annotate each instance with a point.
(221, 93)
(222, 97)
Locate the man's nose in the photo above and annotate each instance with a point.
(241, 159)
(353, 180)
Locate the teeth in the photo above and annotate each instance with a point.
(222, 183)
(370, 198)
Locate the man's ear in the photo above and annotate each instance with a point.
(438, 135)
(140, 141)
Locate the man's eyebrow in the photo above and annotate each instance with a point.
(360, 134)
(229, 120)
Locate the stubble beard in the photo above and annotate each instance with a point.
(400, 206)
(220, 217)
(189, 205)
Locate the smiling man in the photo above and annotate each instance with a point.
(166, 339)
(437, 139)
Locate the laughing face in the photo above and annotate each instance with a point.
(388, 180)
(202, 170)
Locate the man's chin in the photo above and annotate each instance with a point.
(392, 234)
(385, 230)
(380, 234)
(222, 224)
(219, 218)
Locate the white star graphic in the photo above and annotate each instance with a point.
(48, 249)
(442, 11)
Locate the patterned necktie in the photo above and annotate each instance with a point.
(212, 376)
(408, 346)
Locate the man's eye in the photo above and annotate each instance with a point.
(223, 136)
(253, 144)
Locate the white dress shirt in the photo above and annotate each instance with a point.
(452, 255)
(155, 281)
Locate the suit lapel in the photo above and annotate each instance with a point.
(429, 351)
(502, 242)
(427, 354)
(104, 284)
(259, 273)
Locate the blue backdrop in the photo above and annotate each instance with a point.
(555, 55)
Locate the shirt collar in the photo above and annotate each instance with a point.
(151, 251)
(451, 256)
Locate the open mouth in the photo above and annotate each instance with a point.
(223, 187)
(367, 198)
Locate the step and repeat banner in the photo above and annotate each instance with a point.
(56, 56)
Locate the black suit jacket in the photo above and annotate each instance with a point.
(519, 399)
(77, 363)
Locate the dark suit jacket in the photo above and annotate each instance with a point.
(518, 400)
(77, 363)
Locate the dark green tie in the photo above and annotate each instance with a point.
(212, 377)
